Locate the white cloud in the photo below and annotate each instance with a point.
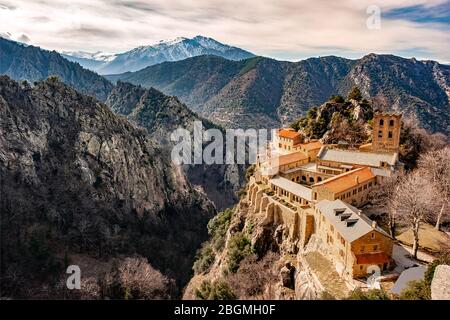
(281, 28)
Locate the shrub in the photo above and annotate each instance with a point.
(416, 290)
(217, 228)
(204, 259)
(337, 99)
(355, 94)
(250, 171)
(325, 295)
(219, 290)
(53, 78)
(239, 247)
(373, 294)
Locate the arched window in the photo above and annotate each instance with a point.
(391, 123)
(381, 122)
(303, 178)
(319, 179)
(311, 179)
(298, 178)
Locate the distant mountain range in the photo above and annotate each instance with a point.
(257, 92)
(162, 51)
(262, 92)
(23, 62)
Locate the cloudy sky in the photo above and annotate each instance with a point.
(283, 29)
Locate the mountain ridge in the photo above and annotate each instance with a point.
(265, 92)
(26, 62)
(158, 52)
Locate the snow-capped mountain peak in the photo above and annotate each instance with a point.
(98, 56)
(161, 51)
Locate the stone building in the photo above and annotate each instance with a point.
(352, 187)
(287, 139)
(315, 189)
(355, 243)
(386, 132)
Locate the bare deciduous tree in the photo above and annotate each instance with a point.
(412, 203)
(253, 275)
(436, 167)
(140, 280)
(382, 194)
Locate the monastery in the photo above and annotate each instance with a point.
(317, 189)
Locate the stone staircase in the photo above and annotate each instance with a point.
(326, 274)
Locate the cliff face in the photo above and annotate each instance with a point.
(161, 115)
(76, 178)
(251, 256)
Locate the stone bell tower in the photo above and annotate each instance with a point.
(386, 131)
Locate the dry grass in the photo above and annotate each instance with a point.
(430, 239)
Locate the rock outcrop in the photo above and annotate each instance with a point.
(161, 115)
(440, 286)
(76, 178)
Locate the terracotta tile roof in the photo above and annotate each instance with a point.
(288, 134)
(347, 180)
(312, 145)
(372, 258)
(291, 157)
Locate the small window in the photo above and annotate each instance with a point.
(311, 179)
(390, 134)
(391, 123)
(380, 134)
(381, 122)
(375, 247)
(372, 235)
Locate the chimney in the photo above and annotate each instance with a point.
(374, 224)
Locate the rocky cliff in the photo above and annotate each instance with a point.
(78, 180)
(161, 115)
